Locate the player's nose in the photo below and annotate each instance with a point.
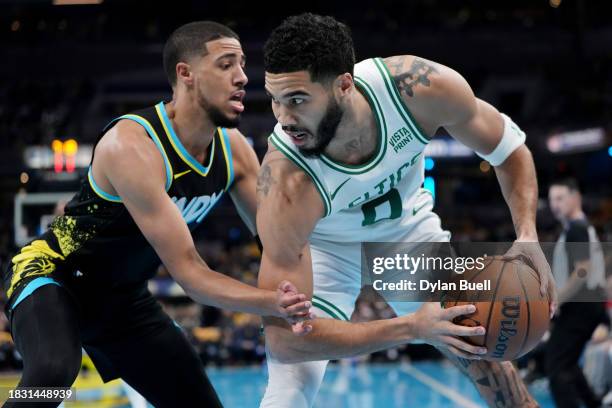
(240, 78)
(285, 117)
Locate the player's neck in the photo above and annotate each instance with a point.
(194, 129)
(357, 137)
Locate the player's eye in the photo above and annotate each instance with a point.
(296, 101)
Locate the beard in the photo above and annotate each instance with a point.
(215, 114)
(325, 131)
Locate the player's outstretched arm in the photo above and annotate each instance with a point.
(440, 97)
(289, 208)
(128, 164)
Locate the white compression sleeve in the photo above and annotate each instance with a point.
(511, 139)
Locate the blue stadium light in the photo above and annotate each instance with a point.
(429, 163)
(610, 151)
(430, 184)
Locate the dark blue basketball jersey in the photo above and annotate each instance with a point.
(97, 239)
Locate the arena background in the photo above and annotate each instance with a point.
(66, 70)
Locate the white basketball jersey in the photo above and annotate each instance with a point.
(373, 201)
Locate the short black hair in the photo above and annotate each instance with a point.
(190, 40)
(319, 44)
(569, 182)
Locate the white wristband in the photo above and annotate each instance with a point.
(511, 139)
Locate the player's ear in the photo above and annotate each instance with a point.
(184, 74)
(343, 84)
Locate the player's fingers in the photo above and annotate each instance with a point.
(301, 328)
(456, 311)
(552, 307)
(301, 308)
(287, 286)
(297, 327)
(543, 269)
(543, 284)
(463, 331)
(288, 299)
(552, 299)
(511, 255)
(297, 308)
(464, 346)
(463, 354)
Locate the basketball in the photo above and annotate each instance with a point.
(515, 314)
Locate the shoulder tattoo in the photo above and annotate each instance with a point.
(406, 79)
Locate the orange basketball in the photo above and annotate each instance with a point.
(515, 314)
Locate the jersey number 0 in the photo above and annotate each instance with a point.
(391, 198)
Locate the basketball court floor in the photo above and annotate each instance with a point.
(420, 385)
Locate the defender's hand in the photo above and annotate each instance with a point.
(531, 254)
(434, 325)
(294, 308)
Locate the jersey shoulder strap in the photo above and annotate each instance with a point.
(373, 77)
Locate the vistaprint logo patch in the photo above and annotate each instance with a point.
(400, 139)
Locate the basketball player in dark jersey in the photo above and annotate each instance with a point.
(154, 176)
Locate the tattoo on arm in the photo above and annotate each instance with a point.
(264, 181)
(417, 74)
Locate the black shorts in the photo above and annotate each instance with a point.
(122, 327)
(126, 334)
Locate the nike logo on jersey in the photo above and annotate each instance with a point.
(333, 195)
(177, 175)
(196, 209)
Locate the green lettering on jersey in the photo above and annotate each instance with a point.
(393, 179)
(391, 198)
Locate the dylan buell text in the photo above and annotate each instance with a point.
(425, 285)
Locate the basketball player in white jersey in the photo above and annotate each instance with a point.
(345, 165)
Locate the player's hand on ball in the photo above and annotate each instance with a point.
(294, 308)
(531, 254)
(435, 326)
